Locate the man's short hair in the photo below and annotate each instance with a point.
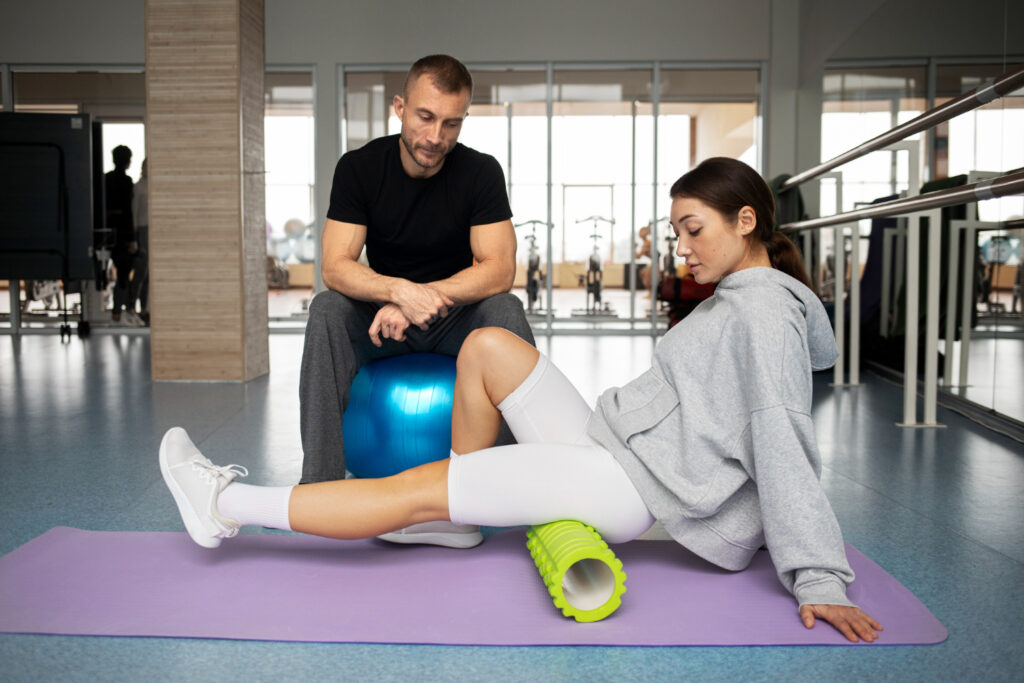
(449, 74)
(122, 155)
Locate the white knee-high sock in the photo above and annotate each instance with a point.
(259, 505)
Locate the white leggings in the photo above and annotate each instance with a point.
(554, 472)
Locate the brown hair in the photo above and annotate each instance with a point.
(727, 185)
(449, 74)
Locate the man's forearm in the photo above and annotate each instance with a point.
(357, 281)
(477, 282)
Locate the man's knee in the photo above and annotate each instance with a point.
(505, 310)
(329, 304)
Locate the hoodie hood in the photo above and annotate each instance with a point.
(821, 340)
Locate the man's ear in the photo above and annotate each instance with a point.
(399, 106)
(746, 220)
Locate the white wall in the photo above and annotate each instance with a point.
(399, 31)
(927, 28)
(97, 32)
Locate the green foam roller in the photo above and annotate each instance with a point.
(582, 574)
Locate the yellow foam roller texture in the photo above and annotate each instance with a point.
(556, 547)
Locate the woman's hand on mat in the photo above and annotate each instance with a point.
(850, 621)
(389, 323)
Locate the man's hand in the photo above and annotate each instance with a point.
(389, 323)
(420, 304)
(849, 621)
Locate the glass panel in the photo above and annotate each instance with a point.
(860, 104)
(132, 136)
(289, 160)
(984, 142)
(595, 121)
(118, 100)
(702, 114)
(110, 96)
(507, 119)
(368, 110)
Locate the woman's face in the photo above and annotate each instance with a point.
(712, 246)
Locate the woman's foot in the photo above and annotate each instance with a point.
(195, 483)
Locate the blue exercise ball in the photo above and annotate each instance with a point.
(399, 414)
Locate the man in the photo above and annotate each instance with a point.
(119, 192)
(436, 223)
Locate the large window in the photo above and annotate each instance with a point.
(289, 160)
(859, 104)
(987, 139)
(117, 100)
(862, 102)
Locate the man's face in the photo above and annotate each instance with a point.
(431, 123)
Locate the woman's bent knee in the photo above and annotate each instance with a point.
(501, 356)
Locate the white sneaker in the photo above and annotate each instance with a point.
(195, 483)
(448, 534)
(132, 319)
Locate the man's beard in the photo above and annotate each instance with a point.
(411, 149)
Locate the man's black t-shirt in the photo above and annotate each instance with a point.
(118, 189)
(417, 229)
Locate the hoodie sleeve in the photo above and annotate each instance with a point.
(801, 531)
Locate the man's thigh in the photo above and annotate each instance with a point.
(447, 335)
(342, 315)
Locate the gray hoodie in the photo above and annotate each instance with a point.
(718, 439)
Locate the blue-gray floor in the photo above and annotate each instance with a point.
(940, 509)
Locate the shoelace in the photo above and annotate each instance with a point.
(211, 474)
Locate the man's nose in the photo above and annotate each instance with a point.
(435, 133)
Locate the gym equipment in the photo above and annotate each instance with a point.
(534, 277)
(399, 414)
(289, 587)
(595, 271)
(582, 574)
(51, 191)
(298, 245)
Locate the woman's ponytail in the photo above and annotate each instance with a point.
(784, 256)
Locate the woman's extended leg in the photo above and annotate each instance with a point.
(213, 506)
(364, 508)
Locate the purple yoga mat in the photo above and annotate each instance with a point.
(300, 588)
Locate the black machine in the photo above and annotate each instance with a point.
(534, 276)
(49, 200)
(595, 270)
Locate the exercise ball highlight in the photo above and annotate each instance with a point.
(399, 414)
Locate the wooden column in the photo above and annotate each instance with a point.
(204, 145)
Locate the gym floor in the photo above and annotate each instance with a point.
(940, 509)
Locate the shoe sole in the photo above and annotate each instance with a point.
(461, 541)
(192, 524)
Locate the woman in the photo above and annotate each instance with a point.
(715, 441)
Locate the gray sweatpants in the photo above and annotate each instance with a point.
(338, 344)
